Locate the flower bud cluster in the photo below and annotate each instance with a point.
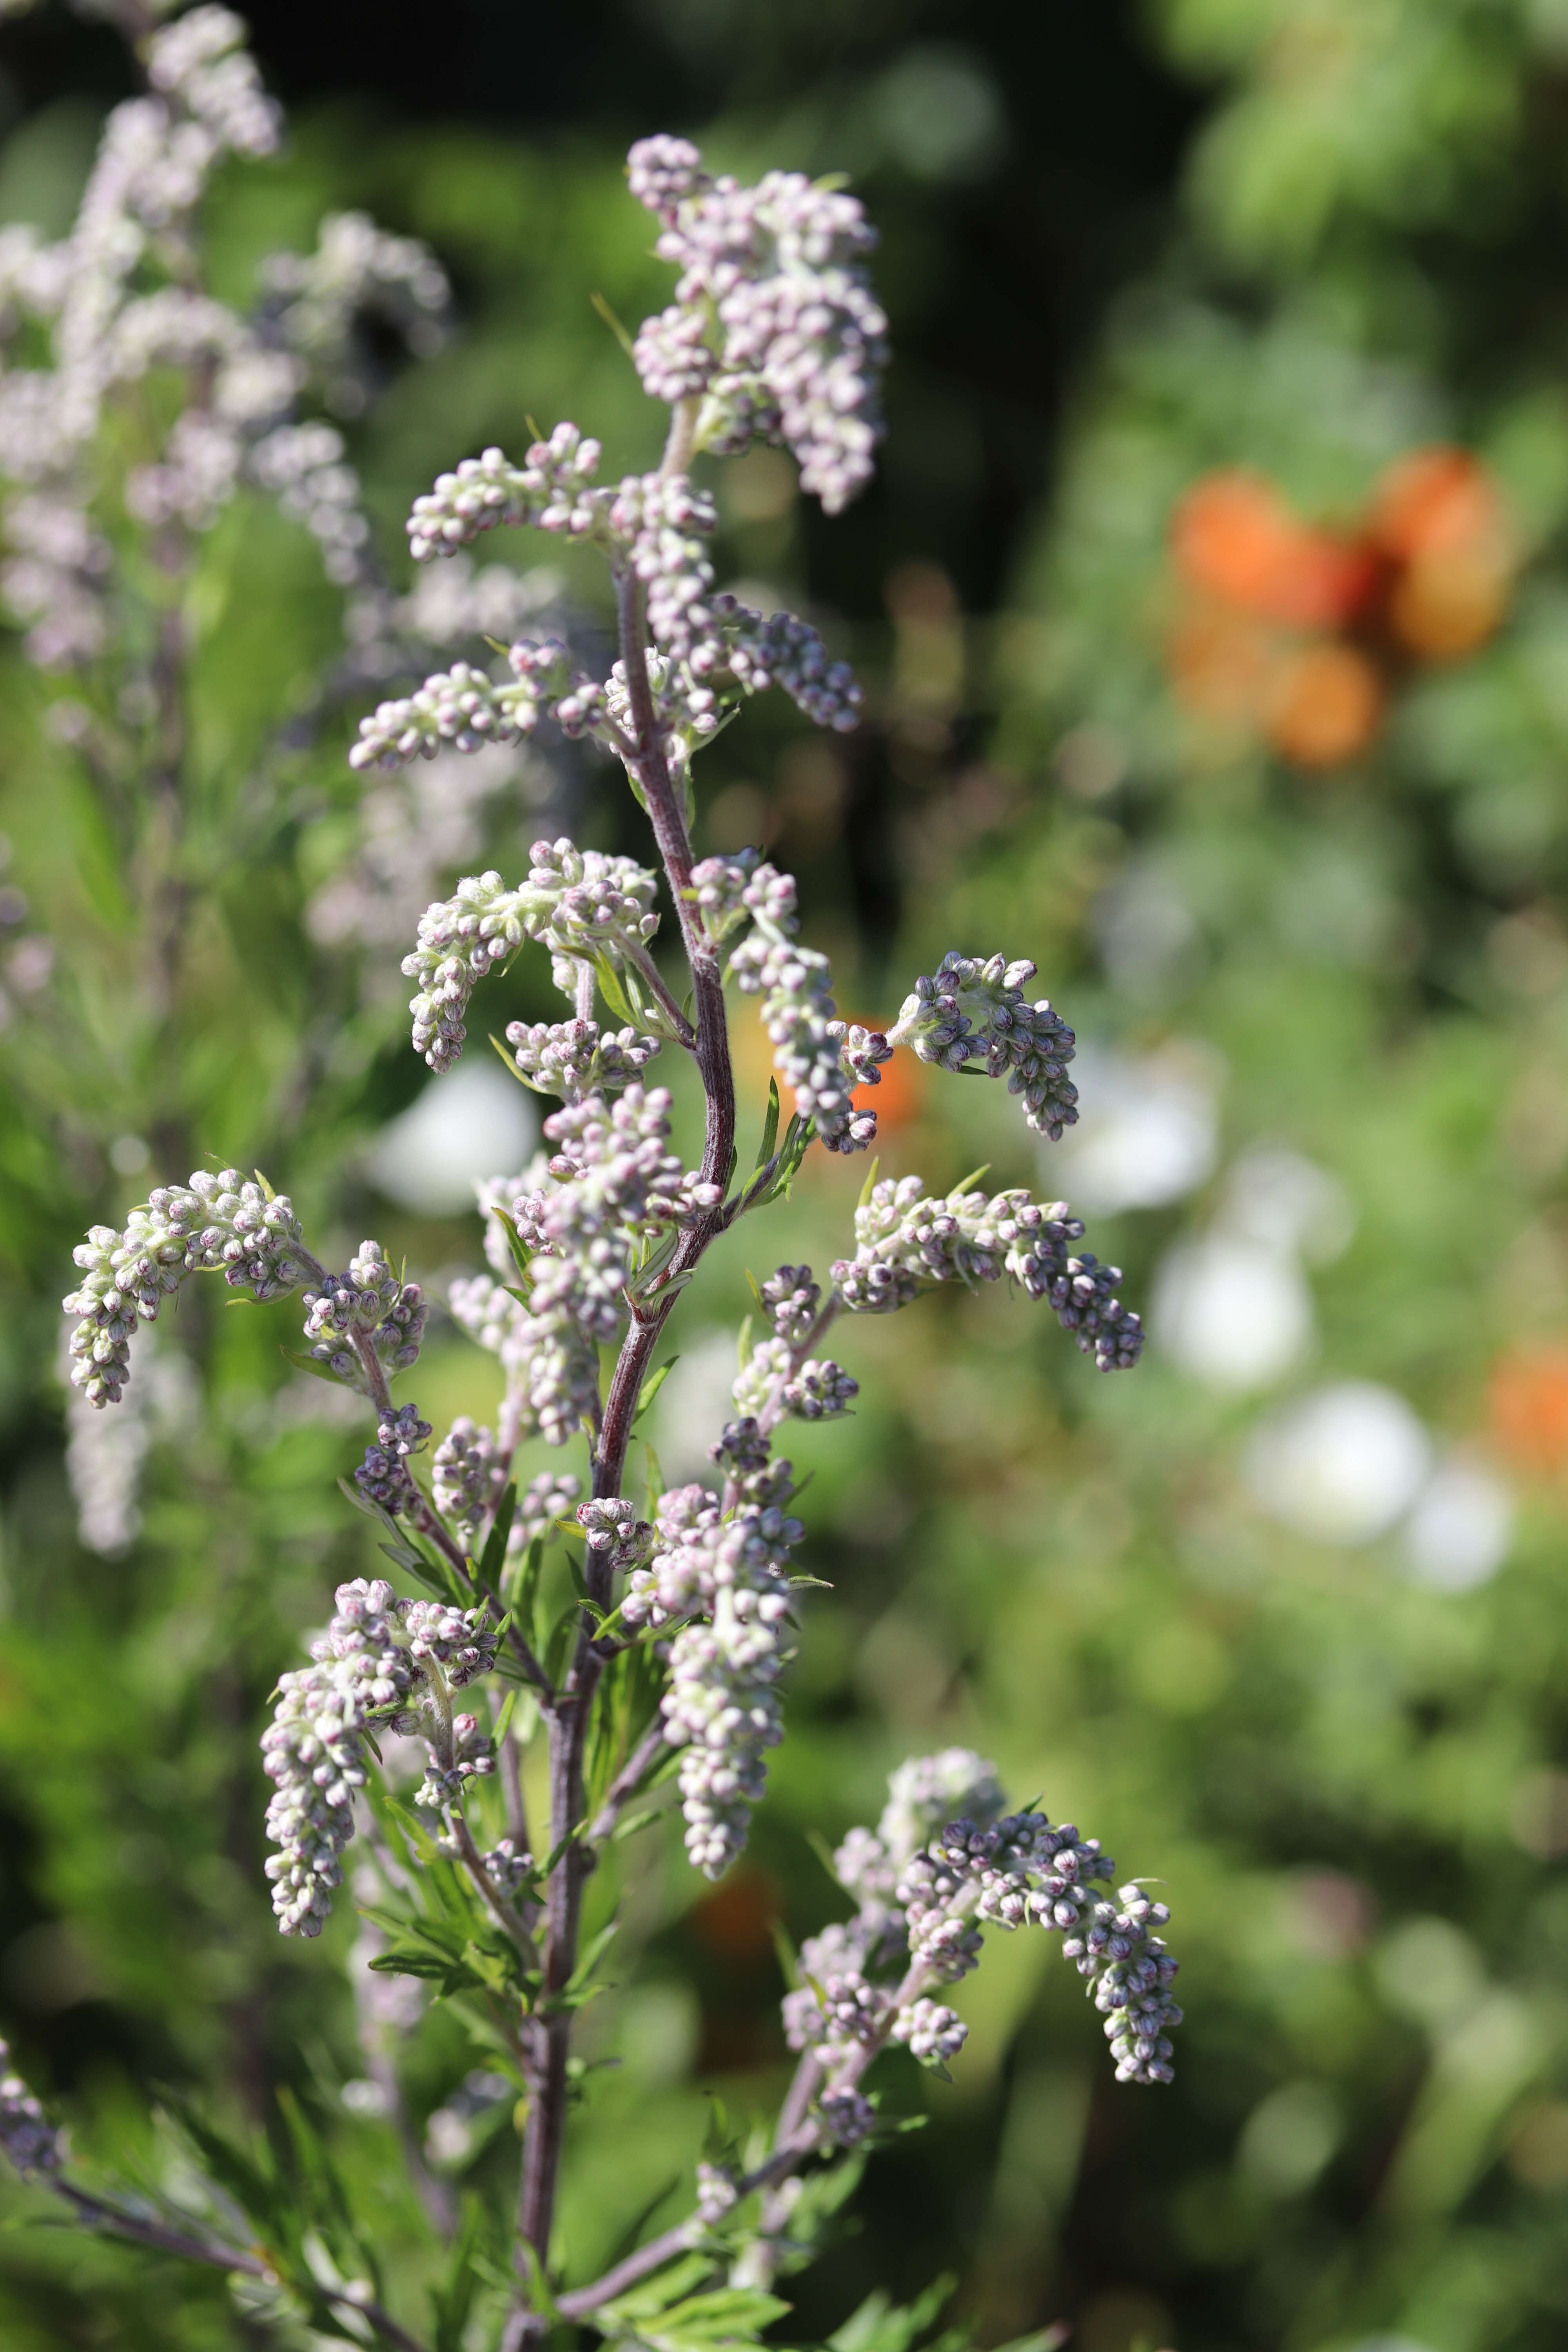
(377, 1656)
(383, 1475)
(303, 468)
(551, 1366)
(795, 985)
(721, 1706)
(924, 1897)
(574, 1058)
(717, 891)
(834, 2015)
(370, 1302)
(316, 299)
(970, 1010)
(576, 902)
(550, 490)
(782, 650)
(27, 2134)
(614, 1535)
(224, 1224)
(848, 2115)
(473, 1755)
(457, 1639)
(509, 1867)
(467, 1476)
(708, 648)
(612, 1182)
(463, 708)
(932, 2032)
(774, 318)
(905, 1242)
(200, 62)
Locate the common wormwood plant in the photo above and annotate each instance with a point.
(654, 1642)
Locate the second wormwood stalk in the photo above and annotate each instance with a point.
(672, 1655)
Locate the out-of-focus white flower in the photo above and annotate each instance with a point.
(1232, 1312)
(1459, 1532)
(1276, 1197)
(1342, 1465)
(1148, 1131)
(462, 1128)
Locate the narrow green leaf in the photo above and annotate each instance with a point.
(744, 1343)
(970, 1181)
(866, 1188)
(614, 324)
(508, 1060)
(521, 1256)
(770, 1127)
(651, 1387)
(655, 1481)
(492, 1561)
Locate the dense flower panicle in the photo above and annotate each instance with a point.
(611, 1182)
(574, 1058)
(551, 489)
(357, 270)
(742, 650)
(468, 1471)
(375, 1659)
(244, 375)
(384, 1476)
(369, 1302)
(774, 318)
(577, 903)
(795, 985)
(926, 1893)
(1080, 1292)
(550, 1365)
(726, 1577)
(972, 1010)
(200, 60)
(464, 709)
(709, 649)
(906, 1241)
(27, 2134)
(227, 1224)
(466, 1476)
(722, 1708)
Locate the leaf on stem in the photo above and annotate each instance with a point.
(651, 1387)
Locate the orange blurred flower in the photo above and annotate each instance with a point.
(1434, 501)
(1439, 516)
(1326, 704)
(1530, 1408)
(1235, 537)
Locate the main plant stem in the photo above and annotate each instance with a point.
(569, 1716)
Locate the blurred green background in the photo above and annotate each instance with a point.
(1281, 1618)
